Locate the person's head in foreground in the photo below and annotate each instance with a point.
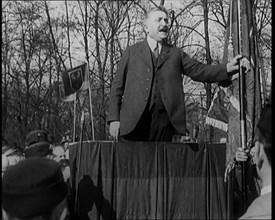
(35, 189)
(263, 146)
(261, 206)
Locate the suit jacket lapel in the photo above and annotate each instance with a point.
(164, 55)
(146, 54)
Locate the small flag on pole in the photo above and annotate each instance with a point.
(76, 79)
(59, 93)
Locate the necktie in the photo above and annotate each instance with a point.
(156, 51)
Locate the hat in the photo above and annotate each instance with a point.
(40, 149)
(37, 144)
(36, 136)
(32, 187)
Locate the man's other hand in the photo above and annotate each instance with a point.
(241, 154)
(114, 129)
(233, 66)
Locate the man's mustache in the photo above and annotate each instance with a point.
(164, 29)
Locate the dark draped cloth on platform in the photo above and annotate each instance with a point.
(142, 180)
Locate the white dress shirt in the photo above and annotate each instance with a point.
(153, 43)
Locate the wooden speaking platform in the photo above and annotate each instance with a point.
(142, 180)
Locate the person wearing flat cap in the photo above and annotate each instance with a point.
(37, 144)
(35, 189)
(261, 206)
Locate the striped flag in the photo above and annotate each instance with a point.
(76, 79)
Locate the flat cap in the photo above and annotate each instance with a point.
(36, 136)
(33, 186)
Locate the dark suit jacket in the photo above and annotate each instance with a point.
(133, 81)
(260, 208)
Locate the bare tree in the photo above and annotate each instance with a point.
(68, 34)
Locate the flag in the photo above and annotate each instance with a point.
(76, 79)
(230, 90)
(240, 37)
(59, 93)
(219, 113)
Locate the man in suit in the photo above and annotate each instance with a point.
(147, 99)
(261, 206)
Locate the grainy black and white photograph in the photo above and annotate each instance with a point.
(136, 110)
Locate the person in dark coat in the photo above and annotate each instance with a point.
(147, 98)
(33, 189)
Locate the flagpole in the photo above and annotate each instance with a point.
(90, 102)
(91, 112)
(242, 110)
(241, 83)
(74, 117)
(79, 151)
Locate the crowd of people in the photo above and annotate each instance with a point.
(35, 179)
(37, 144)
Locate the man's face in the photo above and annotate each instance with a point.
(157, 25)
(58, 153)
